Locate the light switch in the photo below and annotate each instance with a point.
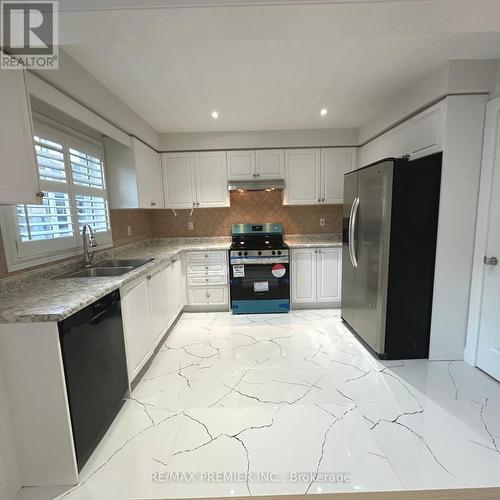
(322, 221)
(190, 225)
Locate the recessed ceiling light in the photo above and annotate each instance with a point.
(323, 112)
(215, 115)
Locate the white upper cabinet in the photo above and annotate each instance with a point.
(302, 177)
(419, 136)
(316, 176)
(195, 180)
(335, 162)
(134, 175)
(270, 164)
(255, 165)
(241, 165)
(148, 172)
(178, 180)
(18, 171)
(210, 171)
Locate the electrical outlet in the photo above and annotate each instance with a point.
(129, 230)
(322, 221)
(190, 225)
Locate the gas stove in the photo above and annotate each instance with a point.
(259, 269)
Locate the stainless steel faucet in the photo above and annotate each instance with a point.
(88, 239)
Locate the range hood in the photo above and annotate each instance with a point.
(264, 185)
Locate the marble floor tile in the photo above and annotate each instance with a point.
(276, 404)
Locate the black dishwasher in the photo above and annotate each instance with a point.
(95, 368)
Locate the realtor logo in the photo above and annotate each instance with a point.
(29, 33)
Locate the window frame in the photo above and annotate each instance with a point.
(24, 254)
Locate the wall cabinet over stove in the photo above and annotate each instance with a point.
(253, 165)
(316, 275)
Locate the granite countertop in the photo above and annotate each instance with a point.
(43, 299)
(313, 240)
(35, 297)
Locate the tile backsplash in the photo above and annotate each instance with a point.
(246, 207)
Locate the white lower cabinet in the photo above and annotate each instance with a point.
(149, 306)
(208, 296)
(316, 274)
(207, 281)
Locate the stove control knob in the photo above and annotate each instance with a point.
(245, 253)
(279, 252)
(259, 253)
(240, 253)
(273, 252)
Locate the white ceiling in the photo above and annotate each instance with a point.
(274, 66)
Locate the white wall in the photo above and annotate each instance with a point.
(455, 77)
(10, 479)
(462, 151)
(76, 82)
(258, 139)
(496, 89)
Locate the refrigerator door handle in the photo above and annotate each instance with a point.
(352, 231)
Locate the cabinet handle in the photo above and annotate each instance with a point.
(198, 204)
(206, 267)
(173, 260)
(153, 204)
(322, 200)
(258, 175)
(40, 194)
(194, 204)
(149, 277)
(319, 200)
(206, 256)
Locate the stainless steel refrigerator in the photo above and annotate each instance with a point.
(390, 219)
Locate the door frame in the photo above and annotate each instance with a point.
(491, 132)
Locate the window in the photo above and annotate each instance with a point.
(72, 179)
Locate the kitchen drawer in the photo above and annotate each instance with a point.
(206, 267)
(206, 279)
(209, 256)
(206, 296)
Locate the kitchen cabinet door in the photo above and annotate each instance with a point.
(148, 172)
(211, 179)
(304, 275)
(158, 299)
(18, 169)
(270, 164)
(335, 162)
(179, 180)
(208, 296)
(425, 131)
(302, 177)
(135, 311)
(241, 165)
(180, 284)
(328, 272)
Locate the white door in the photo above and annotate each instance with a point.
(302, 177)
(148, 171)
(488, 356)
(270, 164)
(178, 180)
(303, 275)
(211, 179)
(241, 165)
(158, 305)
(18, 173)
(135, 310)
(328, 274)
(335, 162)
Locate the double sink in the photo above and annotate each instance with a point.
(108, 268)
